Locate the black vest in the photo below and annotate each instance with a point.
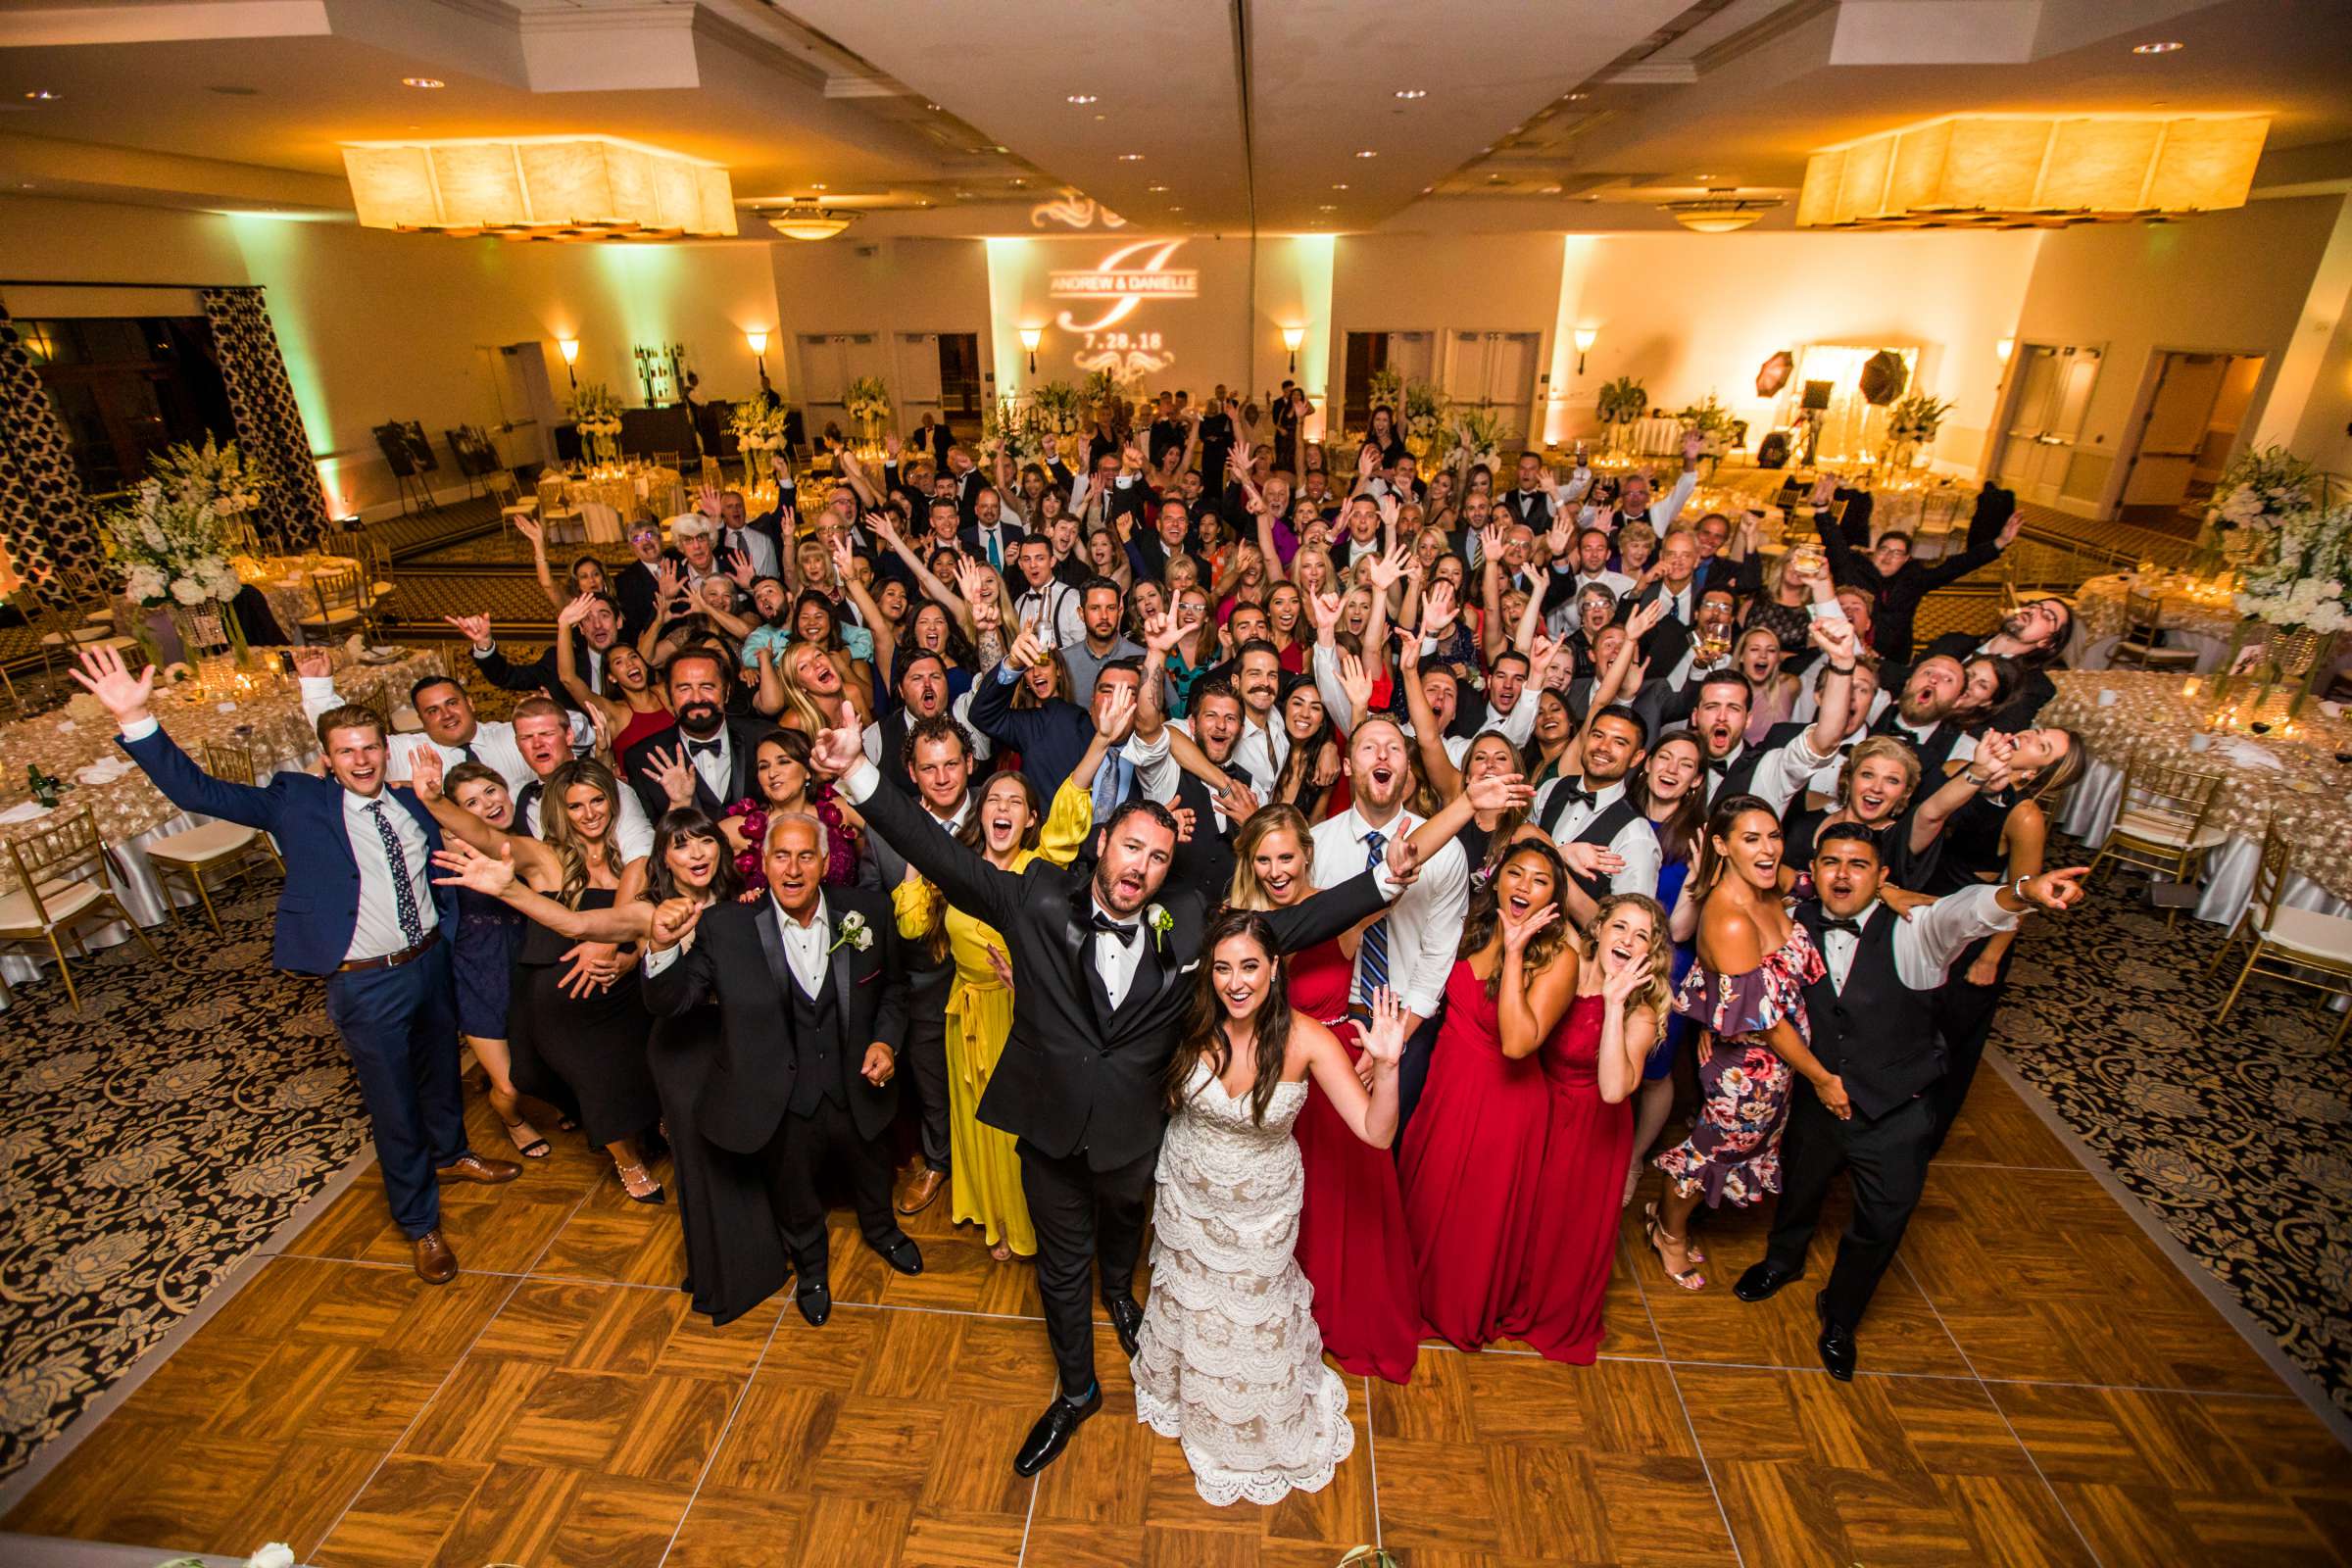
(824, 1064)
(1606, 824)
(1878, 1034)
(1934, 752)
(1737, 779)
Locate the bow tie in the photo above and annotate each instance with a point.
(1112, 928)
(702, 748)
(530, 791)
(1575, 796)
(1720, 768)
(1846, 926)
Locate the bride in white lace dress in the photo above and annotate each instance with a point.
(1229, 1361)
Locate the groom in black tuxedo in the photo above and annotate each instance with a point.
(1102, 963)
(812, 1001)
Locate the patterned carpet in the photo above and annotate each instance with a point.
(2238, 1136)
(147, 1146)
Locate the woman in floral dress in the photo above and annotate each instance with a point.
(1746, 991)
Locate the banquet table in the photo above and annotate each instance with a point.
(2305, 795)
(286, 581)
(2196, 617)
(76, 744)
(638, 490)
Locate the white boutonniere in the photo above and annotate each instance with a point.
(1162, 923)
(854, 933)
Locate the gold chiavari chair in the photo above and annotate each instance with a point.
(2139, 647)
(2163, 821)
(341, 613)
(2301, 946)
(64, 882)
(221, 850)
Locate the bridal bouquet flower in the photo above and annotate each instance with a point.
(169, 547)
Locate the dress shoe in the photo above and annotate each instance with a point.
(1836, 1343)
(1126, 1318)
(904, 1255)
(1764, 1280)
(816, 1303)
(1052, 1433)
(436, 1264)
(918, 1188)
(472, 1167)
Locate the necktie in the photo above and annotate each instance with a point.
(1111, 781)
(1372, 953)
(995, 553)
(1846, 926)
(466, 750)
(1105, 924)
(403, 888)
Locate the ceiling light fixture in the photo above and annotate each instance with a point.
(425, 82)
(1328, 207)
(1155, 189)
(538, 187)
(1341, 186)
(2165, 47)
(1411, 92)
(1719, 214)
(1081, 98)
(1131, 158)
(1577, 97)
(804, 220)
(1367, 153)
(42, 95)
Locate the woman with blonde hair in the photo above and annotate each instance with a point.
(1591, 1065)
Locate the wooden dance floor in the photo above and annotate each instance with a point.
(2040, 1386)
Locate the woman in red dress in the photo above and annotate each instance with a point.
(1352, 1244)
(1474, 1150)
(1591, 1065)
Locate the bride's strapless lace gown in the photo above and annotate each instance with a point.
(1229, 1361)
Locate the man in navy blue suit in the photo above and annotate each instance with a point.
(360, 908)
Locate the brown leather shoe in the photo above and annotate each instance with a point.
(436, 1264)
(472, 1167)
(918, 1188)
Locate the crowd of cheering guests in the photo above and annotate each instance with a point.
(1337, 866)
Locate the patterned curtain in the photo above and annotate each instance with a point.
(293, 510)
(48, 521)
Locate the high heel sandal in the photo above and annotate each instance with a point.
(1689, 1279)
(640, 1186)
(526, 1139)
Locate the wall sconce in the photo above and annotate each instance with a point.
(1031, 337)
(1586, 337)
(1292, 337)
(758, 343)
(2003, 349)
(569, 348)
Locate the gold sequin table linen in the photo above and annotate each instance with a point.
(2197, 615)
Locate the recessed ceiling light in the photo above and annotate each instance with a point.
(1082, 98)
(42, 95)
(1328, 207)
(1577, 97)
(2165, 47)
(994, 148)
(934, 107)
(1426, 189)
(427, 82)
(1367, 153)
(1341, 186)
(1551, 191)
(1175, 209)
(1702, 176)
(1412, 92)
(1155, 188)
(816, 188)
(1131, 158)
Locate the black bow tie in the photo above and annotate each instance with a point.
(1112, 928)
(1846, 926)
(702, 748)
(1575, 796)
(530, 791)
(1720, 768)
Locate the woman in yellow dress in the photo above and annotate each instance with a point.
(1010, 827)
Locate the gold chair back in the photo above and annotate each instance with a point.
(2175, 795)
(231, 762)
(336, 588)
(59, 853)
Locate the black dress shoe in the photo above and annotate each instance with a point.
(1052, 1433)
(816, 1303)
(904, 1255)
(1836, 1343)
(1764, 1280)
(1125, 1319)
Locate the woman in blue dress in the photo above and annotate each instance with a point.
(489, 935)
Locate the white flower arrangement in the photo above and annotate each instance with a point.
(867, 399)
(214, 474)
(1713, 423)
(594, 411)
(759, 425)
(1006, 430)
(854, 933)
(1054, 408)
(169, 547)
(2260, 486)
(2292, 568)
(1423, 418)
(1480, 432)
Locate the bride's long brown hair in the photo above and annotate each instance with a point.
(1205, 1037)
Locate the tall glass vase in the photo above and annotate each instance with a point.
(209, 629)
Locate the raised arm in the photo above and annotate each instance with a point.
(1370, 1113)
(532, 858)
(1529, 1008)
(468, 867)
(530, 528)
(167, 767)
(966, 878)
(1934, 577)
(877, 626)
(567, 660)
(1428, 735)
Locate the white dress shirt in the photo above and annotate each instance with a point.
(806, 946)
(377, 931)
(1054, 610)
(1964, 747)
(1116, 961)
(493, 744)
(1926, 943)
(715, 768)
(1678, 601)
(1637, 841)
(1781, 775)
(984, 536)
(754, 547)
(1424, 925)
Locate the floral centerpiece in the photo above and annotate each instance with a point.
(1007, 430)
(218, 471)
(2292, 556)
(867, 401)
(596, 415)
(1911, 427)
(2260, 486)
(1713, 423)
(170, 548)
(759, 425)
(1383, 388)
(1422, 419)
(1621, 403)
(1480, 432)
(1056, 408)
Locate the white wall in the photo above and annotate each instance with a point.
(885, 286)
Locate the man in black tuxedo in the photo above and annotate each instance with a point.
(2034, 634)
(593, 638)
(1101, 957)
(812, 1000)
(1896, 584)
(706, 760)
(1874, 1037)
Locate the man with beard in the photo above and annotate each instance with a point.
(1719, 720)
(812, 1004)
(936, 756)
(594, 637)
(1936, 683)
(1100, 608)
(1894, 581)
(1595, 809)
(1874, 1028)
(1100, 955)
(1410, 950)
(2035, 636)
(705, 759)
(1179, 764)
